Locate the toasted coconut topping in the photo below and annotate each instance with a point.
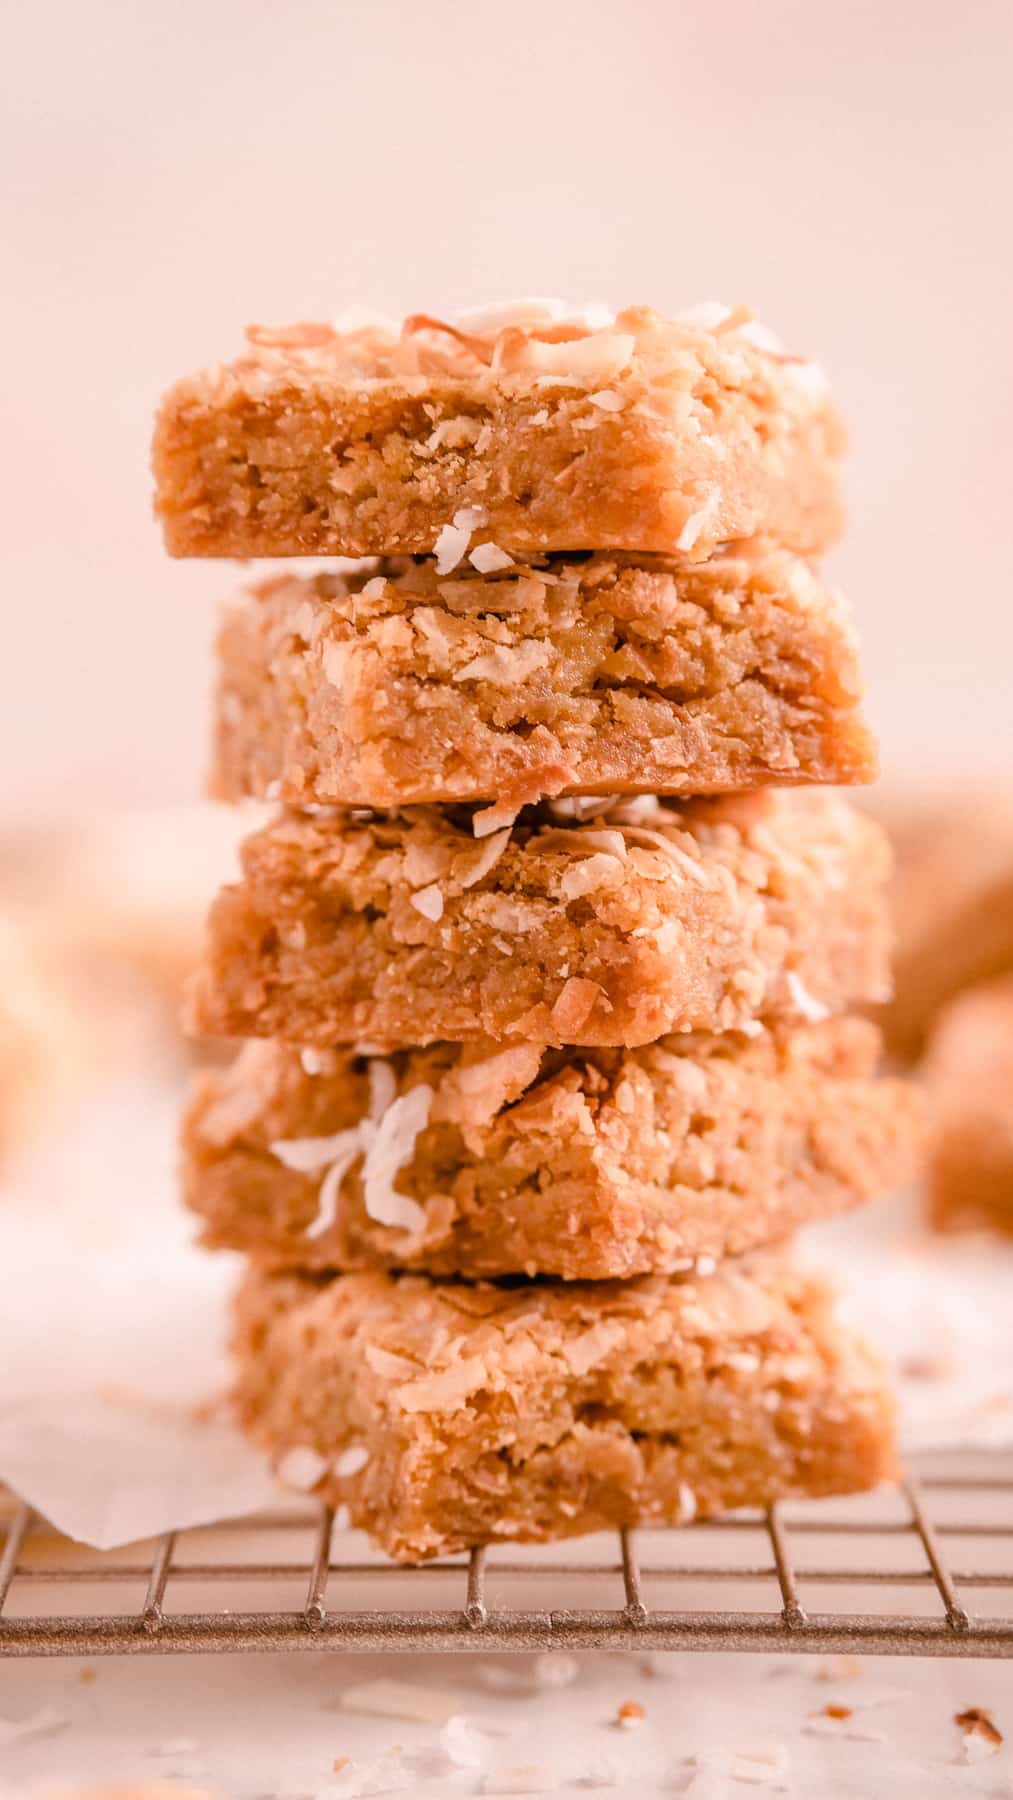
(543, 340)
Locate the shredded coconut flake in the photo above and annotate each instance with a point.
(330, 1189)
(760, 1764)
(607, 400)
(429, 901)
(36, 1724)
(386, 1140)
(506, 665)
(707, 314)
(554, 1669)
(486, 558)
(335, 661)
(498, 315)
(463, 1743)
(687, 1504)
(492, 818)
(487, 858)
(392, 1146)
(444, 1390)
(351, 1461)
(808, 377)
(525, 1778)
(301, 1468)
(695, 524)
(753, 331)
(391, 1699)
(364, 318)
(388, 1364)
(593, 1346)
(450, 547)
(307, 1155)
(599, 870)
(805, 1004)
(374, 588)
(382, 1086)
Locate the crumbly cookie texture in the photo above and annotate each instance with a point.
(649, 918)
(969, 1071)
(520, 430)
(951, 900)
(447, 1415)
(585, 1164)
(388, 685)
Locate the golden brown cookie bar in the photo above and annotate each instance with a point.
(484, 1160)
(653, 917)
(951, 899)
(447, 1415)
(394, 685)
(510, 432)
(970, 1084)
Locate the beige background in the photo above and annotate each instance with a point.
(172, 171)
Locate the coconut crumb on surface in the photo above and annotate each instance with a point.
(387, 1698)
(762, 1765)
(839, 1668)
(555, 1669)
(981, 1735)
(523, 1778)
(629, 1715)
(601, 1774)
(37, 1724)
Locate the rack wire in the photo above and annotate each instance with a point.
(925, 1569)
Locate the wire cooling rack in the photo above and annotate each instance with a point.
(924, 1569)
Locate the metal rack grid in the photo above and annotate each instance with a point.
(780, 1570)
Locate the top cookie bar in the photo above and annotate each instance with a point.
(518, 428)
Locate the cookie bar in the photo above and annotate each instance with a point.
(446, 1415)
(970, 1085)
(524, 428)
(485, 1160)
(650, 918)
(951, 899)
(394, 685)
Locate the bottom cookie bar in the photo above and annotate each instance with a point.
(970, 1082)
(447, 1415)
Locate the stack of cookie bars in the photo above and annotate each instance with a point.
(546, 982)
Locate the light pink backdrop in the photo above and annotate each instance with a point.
(172, 171)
